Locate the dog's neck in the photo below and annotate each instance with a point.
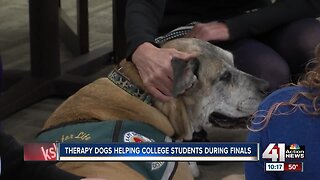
(129, 69)
(175, 110)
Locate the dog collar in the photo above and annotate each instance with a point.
(176, 33)
(124, 83)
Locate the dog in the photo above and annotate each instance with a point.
(206, 89)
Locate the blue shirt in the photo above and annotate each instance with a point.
(295, 128)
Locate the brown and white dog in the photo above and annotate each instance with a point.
(206, 89)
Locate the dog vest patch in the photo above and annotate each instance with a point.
(115, 131)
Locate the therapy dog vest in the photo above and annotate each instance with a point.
(115, 131)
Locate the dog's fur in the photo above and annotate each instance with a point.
(209, 83)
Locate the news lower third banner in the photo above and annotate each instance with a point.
(142, 152)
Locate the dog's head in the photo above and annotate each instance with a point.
(210, 89)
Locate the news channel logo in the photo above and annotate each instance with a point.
(278, 153)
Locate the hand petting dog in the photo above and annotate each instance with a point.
(155, 68)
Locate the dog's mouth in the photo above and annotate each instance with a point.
(223, 121)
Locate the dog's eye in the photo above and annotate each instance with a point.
(226, 76)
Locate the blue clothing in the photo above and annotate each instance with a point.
(295, 128)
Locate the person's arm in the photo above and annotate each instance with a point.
(255, 170)
(14, 167)
(258, 22)
(142, 21)
(265, 19)
(143, 18)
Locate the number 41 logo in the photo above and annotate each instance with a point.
(274, 152)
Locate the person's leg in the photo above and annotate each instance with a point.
(296, 42)
(258, 59)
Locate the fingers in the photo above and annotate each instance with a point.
(184, 55)
(154, 67)
(212, 31)
(158, 94)
(163, 84)
(195, 31)
(159, 87)
(158, 81)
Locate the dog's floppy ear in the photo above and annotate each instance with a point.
(226, 55)
(184, 74)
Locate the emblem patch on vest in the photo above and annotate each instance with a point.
(132, 136)
(135, 137)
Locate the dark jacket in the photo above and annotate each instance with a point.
(14, 167)
(146, 19)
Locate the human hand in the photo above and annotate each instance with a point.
(212, 31)
(154, 66)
